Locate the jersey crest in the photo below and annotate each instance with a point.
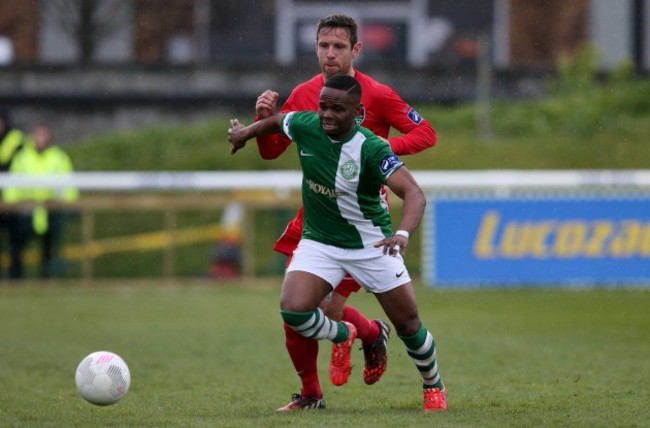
(349, 170)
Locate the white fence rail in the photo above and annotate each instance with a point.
(290, 180)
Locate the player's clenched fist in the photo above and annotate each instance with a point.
(266, 103)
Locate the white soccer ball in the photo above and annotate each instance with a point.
(102, 378)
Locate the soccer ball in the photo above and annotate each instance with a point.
(102, 378)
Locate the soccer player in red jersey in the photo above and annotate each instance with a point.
(336, 48)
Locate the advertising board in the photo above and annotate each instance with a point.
(554, 241)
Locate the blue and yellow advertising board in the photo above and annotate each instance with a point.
(537, 241)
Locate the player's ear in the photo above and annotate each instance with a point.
(356, 49)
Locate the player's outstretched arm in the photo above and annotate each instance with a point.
(239, 133)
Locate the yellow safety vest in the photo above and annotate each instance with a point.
(30, 161)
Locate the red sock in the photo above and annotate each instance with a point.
(304, 354)
(367, 330)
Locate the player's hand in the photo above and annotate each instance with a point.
(385, 140)
(394, 245)
(235, 136)
(266, 104)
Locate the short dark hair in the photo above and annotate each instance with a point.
(339, 21)
(345, 83)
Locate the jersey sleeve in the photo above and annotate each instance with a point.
(417, 134)
(273, 145)
(386, 162)
(286, 125)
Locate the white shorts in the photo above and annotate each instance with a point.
(370, 267)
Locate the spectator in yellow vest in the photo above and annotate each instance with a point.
(37, 158)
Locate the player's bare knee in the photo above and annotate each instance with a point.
(407, 326)
(296, 305)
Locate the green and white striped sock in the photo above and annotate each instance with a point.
(422, 349)
(315, 325)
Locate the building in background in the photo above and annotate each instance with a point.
(118, 64)
(419, 33)
(535, 34)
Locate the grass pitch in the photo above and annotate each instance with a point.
(213, 355)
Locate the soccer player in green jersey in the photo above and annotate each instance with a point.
(337, 46)
(347, 228)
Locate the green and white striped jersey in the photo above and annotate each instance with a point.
(341, 183)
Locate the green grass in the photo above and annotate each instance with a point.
(210, 354)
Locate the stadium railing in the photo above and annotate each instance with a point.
(170, 192)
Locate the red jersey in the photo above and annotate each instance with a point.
(383, 109)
